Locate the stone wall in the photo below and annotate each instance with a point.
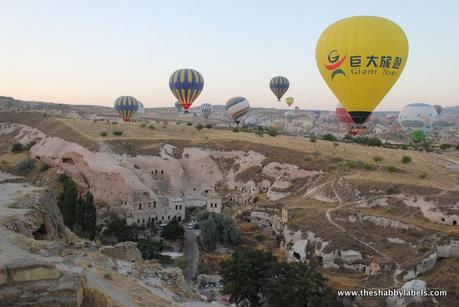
(125, 251)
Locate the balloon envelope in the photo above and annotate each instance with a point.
(342, 115)
(186, 85)
(417, 117)
(360, 59)
(126, 106)
(289, 115)
(237, 107)
(206, 109)
(137, 117)
(277, 124)
(279, 86)
(251, 122)
(307, 126)
(289, 101)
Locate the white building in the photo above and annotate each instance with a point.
(214, 203)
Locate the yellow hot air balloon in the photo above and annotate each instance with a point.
(360, 59)
(289, 101)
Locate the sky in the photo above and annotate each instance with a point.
(90, 52)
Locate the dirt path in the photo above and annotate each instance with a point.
(344, 230)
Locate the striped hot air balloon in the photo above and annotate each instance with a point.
(137, 117)
(279, 85)
(126, 106)
(186, 85)
(237, 107)
(206, 109)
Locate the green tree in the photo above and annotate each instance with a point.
(173, 230)
(26, 166)
(118, 228)
(295, 285)
(85, 217)
(217, 228)
(244, 275)
(17, 147)
(209, 233)
(67, 203)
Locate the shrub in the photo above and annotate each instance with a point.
(406, 159)
(25, 166)
(17, 147)
(199, 127)
(393, 169)
(209, 126)
(313, 140)
(445, 146)
(103, 133)
(423, 175)
(377, 158)
(329, 137)
(272, 132)
(117, 132)
(189, 124)
(260, 133)
(143, 125)
(335, 144)
(151, 127)
(181, 262)
(374, 142)
(457, 146)
(236, 129)
(354, 164)
(369, 166)
(404, 147)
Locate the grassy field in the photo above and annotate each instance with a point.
(426, 169)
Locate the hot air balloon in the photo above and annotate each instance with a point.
(279, 85)
(206, 109)
(251, 122)
(137, 117)
(360, 59)
(289, 115)
(343, 116)
(438, 108)
(417, 117)
(126, 106)
(178, 106)
(237, 107)
(186, 85)
(289, 101)
(307, 126)
(277, 124)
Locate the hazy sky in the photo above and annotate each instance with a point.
(90, 52)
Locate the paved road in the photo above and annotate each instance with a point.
(191, 254)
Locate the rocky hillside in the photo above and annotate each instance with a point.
(359, 221)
